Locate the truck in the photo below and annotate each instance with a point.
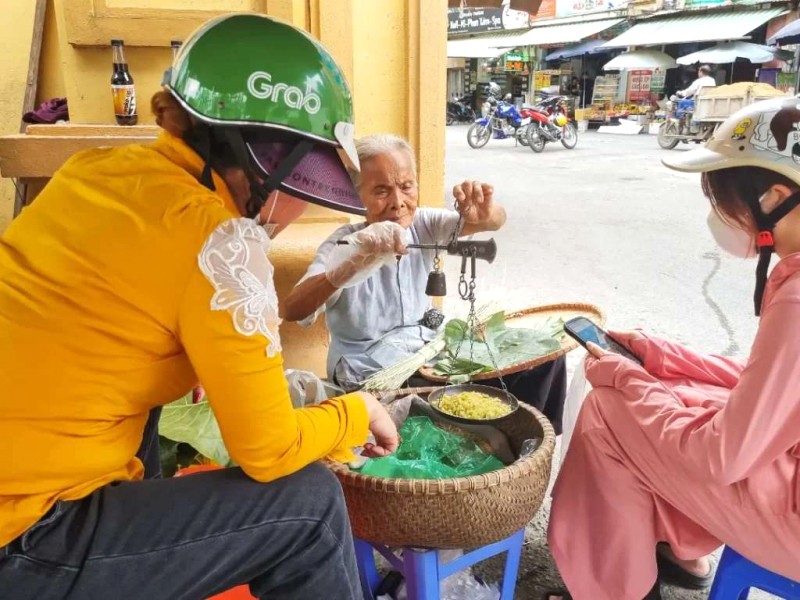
(696, 121)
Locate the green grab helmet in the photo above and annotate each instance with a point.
(264, 83)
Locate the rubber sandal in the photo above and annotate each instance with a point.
(672, 573)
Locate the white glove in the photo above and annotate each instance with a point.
(365, 253)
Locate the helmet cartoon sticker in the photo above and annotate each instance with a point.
(779, 132)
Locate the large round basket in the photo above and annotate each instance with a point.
(455, 513)
(525, 318)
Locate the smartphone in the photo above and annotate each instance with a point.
(584, 331)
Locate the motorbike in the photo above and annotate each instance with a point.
(680, 125)
(501, 120)
(549, 123)
(459, 110)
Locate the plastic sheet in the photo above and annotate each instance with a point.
(428, 452)
(305, 388)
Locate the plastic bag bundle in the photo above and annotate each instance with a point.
(429, 452)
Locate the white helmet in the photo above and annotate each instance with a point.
(765, 134)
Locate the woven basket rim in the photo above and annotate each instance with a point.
(567, 344)
(439, 487)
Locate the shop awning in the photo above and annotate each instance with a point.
(695, 28)
(790, 34)
(564, 33)
(487, 46)
(587, 47)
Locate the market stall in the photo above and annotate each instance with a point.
(634, 91)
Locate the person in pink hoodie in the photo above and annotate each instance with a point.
(692, 451)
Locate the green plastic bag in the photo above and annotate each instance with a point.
(428, 452)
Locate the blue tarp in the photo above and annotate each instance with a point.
(788, 35)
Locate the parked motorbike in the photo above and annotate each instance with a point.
(680, 125)
(550, 123)
(459, 110)
(501, 120)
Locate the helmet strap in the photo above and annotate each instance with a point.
(203, 148)
(766, 243)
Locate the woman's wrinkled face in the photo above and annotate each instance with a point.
(389, 188)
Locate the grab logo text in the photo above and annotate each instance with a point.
(260, 85)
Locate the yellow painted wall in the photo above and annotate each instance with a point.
(392, 52)
(377, 43)
(16, 31)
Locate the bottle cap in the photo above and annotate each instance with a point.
(117, 43)
(176, 43)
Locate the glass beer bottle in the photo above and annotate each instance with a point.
(176, 47)
(122, 87)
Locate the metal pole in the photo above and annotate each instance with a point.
(583, 80)
(797, 70)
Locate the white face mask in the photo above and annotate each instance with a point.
(270, 228)
(730, 238)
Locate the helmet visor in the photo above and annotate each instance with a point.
(320, 177)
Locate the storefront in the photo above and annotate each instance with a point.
(481, 49)
(554, 76)
(475, 62)
(638, 90)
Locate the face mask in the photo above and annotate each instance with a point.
(731, 239)
(270, 228)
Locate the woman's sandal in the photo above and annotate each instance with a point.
(654, 594)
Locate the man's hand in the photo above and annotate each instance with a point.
(475, 201)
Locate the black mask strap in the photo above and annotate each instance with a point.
(766, 243)
(203, 148)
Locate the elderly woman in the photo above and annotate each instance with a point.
(374, 301)
(140, 270)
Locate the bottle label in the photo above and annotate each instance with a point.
(124, 100)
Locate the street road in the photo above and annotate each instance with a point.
(607, 223)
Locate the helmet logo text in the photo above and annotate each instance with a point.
(260, 86)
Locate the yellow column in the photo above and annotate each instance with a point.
(16, 31)
(393, 53)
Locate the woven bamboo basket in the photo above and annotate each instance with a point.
(467, 512)
(523, 318)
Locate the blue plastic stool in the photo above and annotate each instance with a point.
(423, 571)
(736, 575)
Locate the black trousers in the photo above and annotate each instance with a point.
(189, 537)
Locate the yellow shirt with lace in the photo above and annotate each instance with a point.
(121, 286)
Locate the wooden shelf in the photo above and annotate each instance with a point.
(42, 149)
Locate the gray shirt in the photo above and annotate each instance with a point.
(375, 324)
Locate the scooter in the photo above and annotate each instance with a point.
(680, 125)
(550, 123)
(459, 110)
(502, 120)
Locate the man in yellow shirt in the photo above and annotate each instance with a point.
(140, 270)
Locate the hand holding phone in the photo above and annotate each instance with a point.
(585, 331)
